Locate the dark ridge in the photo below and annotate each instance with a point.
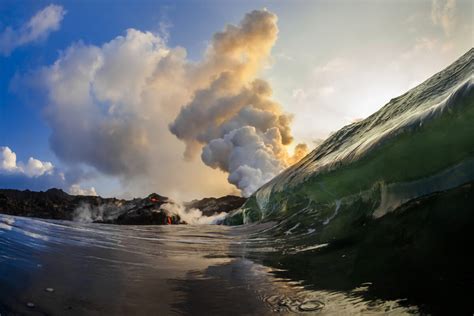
(57, 204)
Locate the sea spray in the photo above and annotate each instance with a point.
(85, 213)
(193, 216)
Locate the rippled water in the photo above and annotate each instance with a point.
(56, 267)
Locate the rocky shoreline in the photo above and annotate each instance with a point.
(57, 204)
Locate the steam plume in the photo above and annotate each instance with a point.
(234, 120)
(110, 107)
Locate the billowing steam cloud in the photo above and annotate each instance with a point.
(241, 129)
(110, 107)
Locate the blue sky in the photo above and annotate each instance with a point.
(21, 125)
(86, 21)
(333, 62)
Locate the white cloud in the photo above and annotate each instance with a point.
(36, 29)
(36, 168)
(76, 189)
(7, 160)
(33, 168)
(35, 174)
(443, 14)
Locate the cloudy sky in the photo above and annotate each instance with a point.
(201, 98)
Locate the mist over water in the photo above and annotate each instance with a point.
(193, 216)
(86, 213)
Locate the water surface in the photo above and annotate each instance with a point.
(64, 268)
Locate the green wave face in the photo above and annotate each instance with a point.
(385, 204)
(419, 143)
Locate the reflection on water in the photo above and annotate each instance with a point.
(56, 267)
